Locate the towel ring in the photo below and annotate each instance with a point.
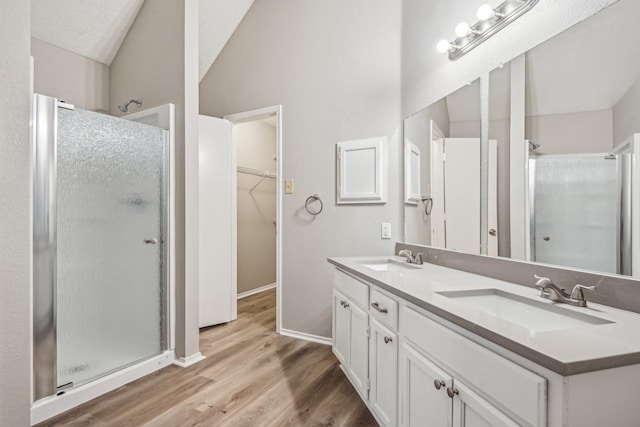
(311, 199)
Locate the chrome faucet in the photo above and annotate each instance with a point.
(550, 291)
(408, 255)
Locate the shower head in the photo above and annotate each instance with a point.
(533, 145)
(124, 106)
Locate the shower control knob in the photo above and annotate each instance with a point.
(152, 241)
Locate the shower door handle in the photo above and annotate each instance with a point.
(152, 241)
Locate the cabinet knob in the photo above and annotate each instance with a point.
(439, 384)
(342, 303)
(346, 304)
(387, 340)
(452, 392)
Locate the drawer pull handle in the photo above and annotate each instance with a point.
(377, 307)
(387, 340)
(452, 392)
(439, 384)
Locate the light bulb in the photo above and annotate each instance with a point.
(462, 29)
(443, 46)
(485, 12)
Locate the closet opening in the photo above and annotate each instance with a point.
(256, 153)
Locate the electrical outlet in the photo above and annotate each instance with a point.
(385, 230)
(288, 186)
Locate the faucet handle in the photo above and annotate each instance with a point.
(577, 293)
(541, 282)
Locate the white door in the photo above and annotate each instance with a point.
(456, 189)
(341, 328)
(383, 373)
(423, 391)
(217, 267)
(471, 410)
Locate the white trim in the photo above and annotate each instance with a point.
(52, 406)
(257, 290)
(307, 337)
(185, 362)
(256, 115)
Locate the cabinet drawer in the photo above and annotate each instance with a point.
(353, 288)
(517, 390)
(384, 308)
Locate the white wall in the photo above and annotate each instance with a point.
(158, 62)
(584, 132)
(73, 78)
(335, 68)
(626, 115)
(255, 144)
(15, 304)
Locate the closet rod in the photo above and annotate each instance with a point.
(256, 172)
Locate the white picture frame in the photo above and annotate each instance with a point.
(412, 174)
(361, 171)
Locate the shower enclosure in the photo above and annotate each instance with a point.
(99, 245)
(577, 211)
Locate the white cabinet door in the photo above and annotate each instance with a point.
(341, 328)
(359, 349)
(471, 410)
(383, 373)
(423, 391)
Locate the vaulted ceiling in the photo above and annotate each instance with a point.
(96, 28)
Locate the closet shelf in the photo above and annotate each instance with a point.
(256, 172)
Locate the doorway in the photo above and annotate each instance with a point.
(257, 161)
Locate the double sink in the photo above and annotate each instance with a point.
(537, 315)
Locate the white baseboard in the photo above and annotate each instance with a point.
(54, 405)
(185, 362)
(307, 337)
(256, 290)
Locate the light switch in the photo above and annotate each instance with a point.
(386, 230)
(288, 186)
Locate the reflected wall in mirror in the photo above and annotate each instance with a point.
(442, 173)
(575, 136)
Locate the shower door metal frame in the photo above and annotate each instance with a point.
(44, 162)
(44, 238)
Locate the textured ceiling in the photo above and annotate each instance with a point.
(91, 28)
(96, 28)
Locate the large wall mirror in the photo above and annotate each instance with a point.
(580, 159)
(442, 173)
(564, 153)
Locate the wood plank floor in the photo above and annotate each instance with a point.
(251, 377)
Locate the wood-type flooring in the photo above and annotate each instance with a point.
(251, 377)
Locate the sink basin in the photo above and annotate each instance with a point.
(387, 265)
(538, 316)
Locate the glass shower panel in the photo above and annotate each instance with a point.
(575, 212)
(110, 278)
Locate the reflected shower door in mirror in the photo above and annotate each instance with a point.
(442, 174)
(569, 112)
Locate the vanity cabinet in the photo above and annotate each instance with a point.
(351, 330)
(383, 372)
(413, 371)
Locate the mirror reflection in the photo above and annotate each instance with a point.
(573, 196)
(442, 173)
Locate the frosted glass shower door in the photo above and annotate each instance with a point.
(576, 211)
(110, 222)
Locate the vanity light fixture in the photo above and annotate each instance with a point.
(491, 20)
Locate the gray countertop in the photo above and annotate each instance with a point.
(568, 351)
